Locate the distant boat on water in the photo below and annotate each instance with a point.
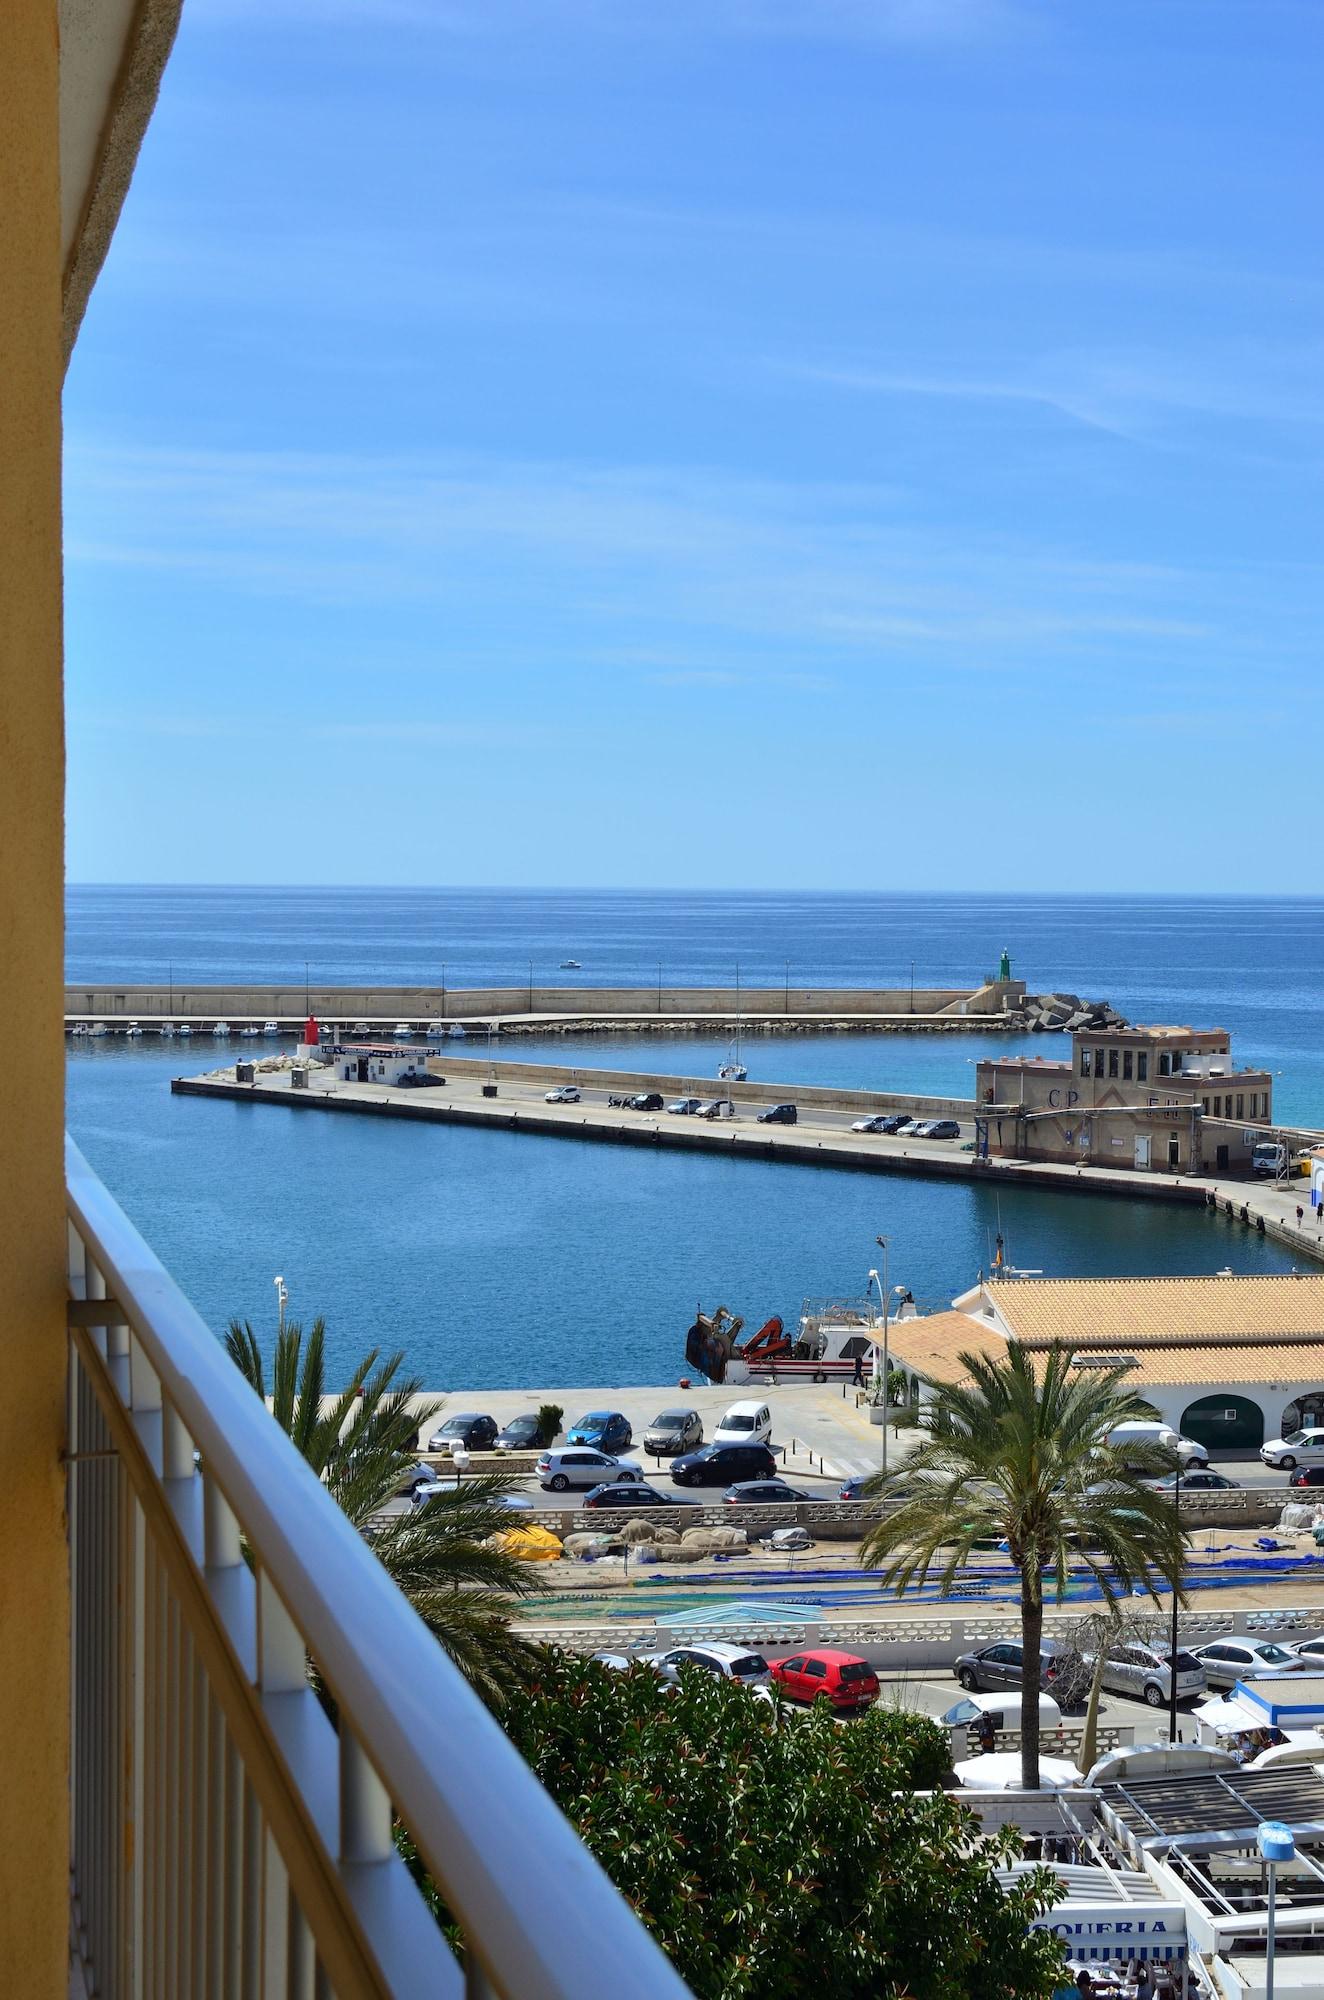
(571, 965)
(271, 1027)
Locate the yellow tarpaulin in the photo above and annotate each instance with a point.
(532, 1544)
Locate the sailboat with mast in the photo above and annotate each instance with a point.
(733, 1070)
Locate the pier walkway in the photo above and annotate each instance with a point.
(821, 1137)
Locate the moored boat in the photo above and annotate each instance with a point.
(833, 1339)
(221, 1028)
(271, 1027)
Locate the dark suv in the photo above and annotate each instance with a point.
(723, 1465)
(778, 1114)
(647, 1100)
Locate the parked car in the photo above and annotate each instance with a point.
(672, 1431)
(1061, 1669)
(605, 1430)
(564, 1093)
(842, 1680)
(1227, 1661)
(853, 1487)
(896, 1121)
(877, 1123)
(1198, 1480)
(732, 1663)
(1003, 1711)
(1307, 1475)
(628, 1493)
(716, 1107)
(645, 1100)
(761, 1493)
(582, 1466)
(744, 1423)
(468, 1428)
(779, 1114)
(723, 1465)
(937, 1128)
(684, 1107)
(413, 1478)
(1309, 1651)
(1143, 1672)
(521, 1434)
(1306, 1448)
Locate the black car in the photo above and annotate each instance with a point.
(467, 1428)
(1305, 1475)
(896, 1121)
(723, 1465)
(635, 1494)
(778, 1114)
(647, 1100)
(761, 1493)
(522, 1434)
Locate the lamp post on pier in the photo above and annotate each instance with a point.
(281, 1297)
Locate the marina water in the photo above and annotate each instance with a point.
(496, 1260)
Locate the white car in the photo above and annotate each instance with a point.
(1227, 1661)
(731, 1663)
(745, 1423)
(564, 1093)
(580, 1465)
(1306, 1448)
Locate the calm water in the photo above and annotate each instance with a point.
(495, 1260)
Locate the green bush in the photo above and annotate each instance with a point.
(549, 1421)
(776, 1853)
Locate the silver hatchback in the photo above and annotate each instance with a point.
(1143, 1673)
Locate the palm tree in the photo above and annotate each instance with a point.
(359, 1444)
(1018, 1452)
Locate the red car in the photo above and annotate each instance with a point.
(844, 1679)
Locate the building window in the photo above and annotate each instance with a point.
(1084, 1062)
(1142, 1065)
(1165, 1064)
(1218, 1107)
(1112, 1062)
(1127, 1064)
(1240, 1101)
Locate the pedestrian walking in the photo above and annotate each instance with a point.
(859, 1362)
(1300, 1215)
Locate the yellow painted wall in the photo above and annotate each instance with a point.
(34, 1842)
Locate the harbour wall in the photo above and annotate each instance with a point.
(421, 1003)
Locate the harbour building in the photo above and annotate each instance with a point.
(1164, 1099)
(1229, 1361)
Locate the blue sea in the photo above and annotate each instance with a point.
(495, 1260)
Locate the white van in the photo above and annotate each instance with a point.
(1187, 1450)
(1268, 1157)
(745, 1423)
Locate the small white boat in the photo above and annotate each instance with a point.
(184, 1029)
(250, 1033)
(271, 1027)
(436, 1030)
(97, 1030)
(166, 1030)
(134, 1030)
(80, 1030)
(360, 1028)
(456, 1031)
(402, 1031)
(733, 1070)
(222, 1028)
(571, 965)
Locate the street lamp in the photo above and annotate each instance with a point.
(883, 1298)
(1276, 1844)
(281, 1296)
(1172, 1643)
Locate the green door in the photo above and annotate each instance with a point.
(1224, 1423)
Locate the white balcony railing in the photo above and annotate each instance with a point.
(228, 1837)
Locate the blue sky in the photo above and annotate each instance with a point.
(806, 443)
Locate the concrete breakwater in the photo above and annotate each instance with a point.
(997, 1005)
